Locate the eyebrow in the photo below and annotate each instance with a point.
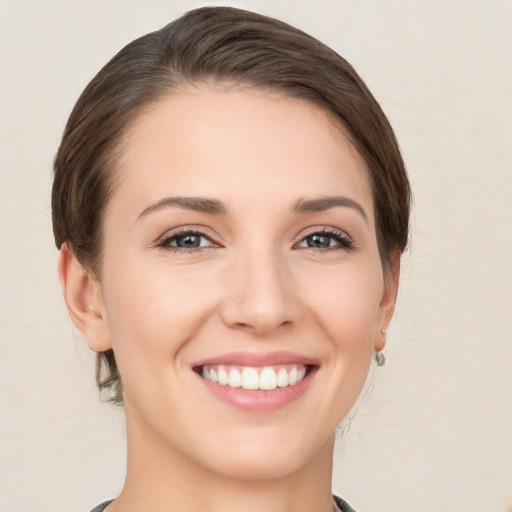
(215, 207)
(325, 203)
(198, 204)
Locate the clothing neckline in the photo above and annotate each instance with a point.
(341, 505)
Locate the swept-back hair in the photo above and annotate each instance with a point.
(220, 45)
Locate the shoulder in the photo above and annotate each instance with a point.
(101, 507)
(342, 505)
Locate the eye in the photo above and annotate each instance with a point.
(186, 240)
(327, 238)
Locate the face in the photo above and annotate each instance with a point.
(242, 290)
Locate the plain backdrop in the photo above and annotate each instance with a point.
(434, 432)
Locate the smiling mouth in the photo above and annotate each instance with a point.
(265, 378)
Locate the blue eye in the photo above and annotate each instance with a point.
(327, 239)
(186, 241)
(190, 240)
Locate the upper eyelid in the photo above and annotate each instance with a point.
(329, 230)
(183, 230)
(323, 229)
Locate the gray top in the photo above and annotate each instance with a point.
(342, 505)
(101, 507)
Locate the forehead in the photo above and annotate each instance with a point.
(238, 145)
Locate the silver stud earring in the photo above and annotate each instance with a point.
(379, 358)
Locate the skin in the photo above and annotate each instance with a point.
(254, 285)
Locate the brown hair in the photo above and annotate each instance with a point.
(220, 45)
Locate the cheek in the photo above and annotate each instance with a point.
(346, 304)
(153, 311)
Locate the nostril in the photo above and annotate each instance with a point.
(259, 304)
(260, 326)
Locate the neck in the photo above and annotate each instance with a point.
(161, 478)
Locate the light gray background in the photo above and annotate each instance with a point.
(435, 432)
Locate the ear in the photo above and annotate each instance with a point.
(84, 300)
(388, 301)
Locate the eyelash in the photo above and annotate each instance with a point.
(165, 243)
(340, 237)
(344, 241)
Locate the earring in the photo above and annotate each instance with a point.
(379, 357)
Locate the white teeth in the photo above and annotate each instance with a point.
(268, 378)
(249, 378)
(234, 379)
(292, 376)
(223, 376)
(282, 378)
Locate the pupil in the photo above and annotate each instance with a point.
(188, 241)
(318, 241)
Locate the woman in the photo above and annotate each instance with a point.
(230, 206)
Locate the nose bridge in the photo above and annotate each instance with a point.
(260, 295)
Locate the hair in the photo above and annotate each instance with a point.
(213, 45)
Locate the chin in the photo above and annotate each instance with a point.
(266, 456)
(258, 467)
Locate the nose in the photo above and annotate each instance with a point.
(259, 294)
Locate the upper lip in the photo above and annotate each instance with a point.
(258, 359)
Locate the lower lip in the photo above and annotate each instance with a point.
(259, 400)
